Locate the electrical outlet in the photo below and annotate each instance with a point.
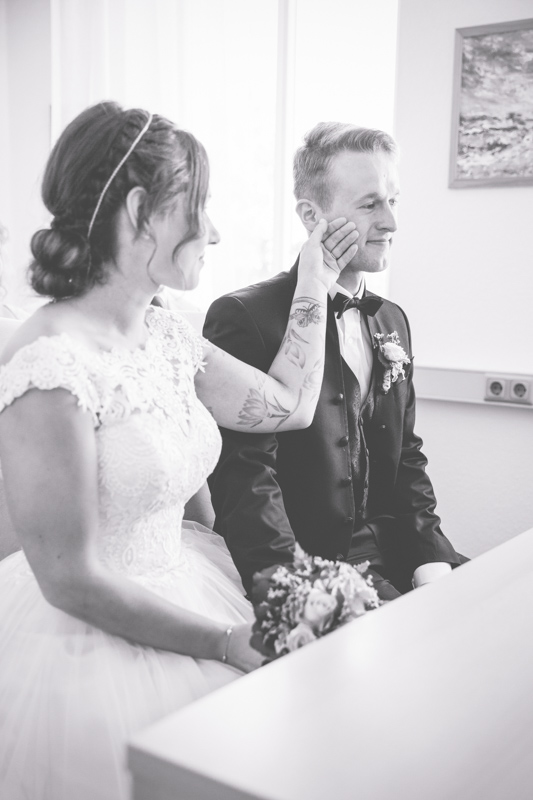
(520, 391)
(496, 388)
(509, 389)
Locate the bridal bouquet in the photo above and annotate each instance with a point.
(297, 603)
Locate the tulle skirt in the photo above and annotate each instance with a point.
(71, 695)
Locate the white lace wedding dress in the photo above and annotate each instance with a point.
(71, 695)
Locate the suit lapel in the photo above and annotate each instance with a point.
(293, 273)
(379, 323)
(383, 322)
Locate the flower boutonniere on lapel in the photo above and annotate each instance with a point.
(392, 356)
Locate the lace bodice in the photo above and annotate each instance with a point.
(156, 442)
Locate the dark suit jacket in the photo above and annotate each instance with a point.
(269, 489)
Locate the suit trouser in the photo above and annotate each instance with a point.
(364, 547)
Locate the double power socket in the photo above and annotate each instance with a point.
(509, 389)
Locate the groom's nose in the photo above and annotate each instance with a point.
(388, 219)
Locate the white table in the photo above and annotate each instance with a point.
(429, 697)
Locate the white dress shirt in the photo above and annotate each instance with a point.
(356, 349)
(354, 340)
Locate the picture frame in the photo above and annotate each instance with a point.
(492, 109)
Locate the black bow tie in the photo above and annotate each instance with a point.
(367, 305)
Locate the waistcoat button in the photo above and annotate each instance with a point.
(346, 481)
(343, 441)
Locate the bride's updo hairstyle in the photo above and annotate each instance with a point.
(71, 256)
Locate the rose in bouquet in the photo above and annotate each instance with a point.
(297, 603)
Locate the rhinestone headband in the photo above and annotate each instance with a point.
(113, 174)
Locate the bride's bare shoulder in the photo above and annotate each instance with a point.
(46, 321)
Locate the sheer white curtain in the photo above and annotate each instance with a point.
(24, 131)
(5, 207)
(211, 67)
(129, 50)
(248, 77)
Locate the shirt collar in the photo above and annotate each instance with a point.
(336, 289)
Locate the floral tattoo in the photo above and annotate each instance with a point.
(307, 312)
(257, 408)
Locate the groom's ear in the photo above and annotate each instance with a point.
(309, 213)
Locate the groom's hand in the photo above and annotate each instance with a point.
(427, 573)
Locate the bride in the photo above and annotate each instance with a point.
(115, 613)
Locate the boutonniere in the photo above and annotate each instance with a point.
(393, 357)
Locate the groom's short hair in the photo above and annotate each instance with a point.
(321, 145)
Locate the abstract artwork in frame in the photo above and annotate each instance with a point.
(492, 123)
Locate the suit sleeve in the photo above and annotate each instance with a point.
(412, 531)
(246, 497)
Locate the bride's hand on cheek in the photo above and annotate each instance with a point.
(330, 247)
(240, 653)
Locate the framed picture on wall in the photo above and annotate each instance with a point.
(492, 122)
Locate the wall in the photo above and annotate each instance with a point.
(463, 253)
(480, 462)
(463, 272)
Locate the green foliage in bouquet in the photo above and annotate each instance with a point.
(297, 603)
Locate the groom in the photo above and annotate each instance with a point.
(353, 485)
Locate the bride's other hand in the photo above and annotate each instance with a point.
(329, 248)
(240, 653)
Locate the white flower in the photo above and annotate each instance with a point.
(357, 605)
(300, 635)
(393, 352)
(319, 609)
(392, 356)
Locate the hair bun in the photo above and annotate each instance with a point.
(61, 262)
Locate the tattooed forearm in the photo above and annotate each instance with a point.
(261, 403)
(260, 377)
(258, 408)
(292, 347)
(313, 379)
(285, 398)
(306, 312)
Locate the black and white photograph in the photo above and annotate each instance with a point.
(266, 400)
